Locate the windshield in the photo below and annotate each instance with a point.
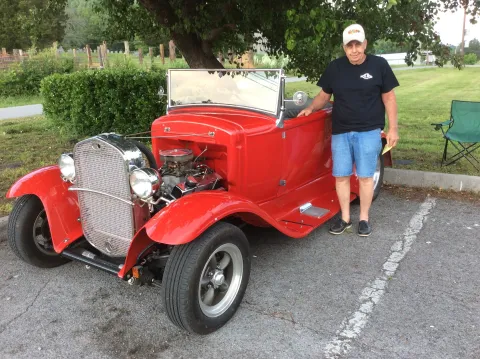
(255, 89)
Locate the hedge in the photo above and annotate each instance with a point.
(24, 78)
(86, 103)
(470, 59)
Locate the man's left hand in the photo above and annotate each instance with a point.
(392, 137)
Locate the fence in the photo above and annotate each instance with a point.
(7, 59)
(102, 57)
(96, 58)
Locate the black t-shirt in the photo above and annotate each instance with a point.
(357, 91)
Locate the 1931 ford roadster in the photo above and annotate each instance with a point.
(229, 151)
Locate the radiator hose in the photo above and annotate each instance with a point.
(146, 151)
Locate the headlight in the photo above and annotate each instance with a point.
(144, 182)
(67, 166)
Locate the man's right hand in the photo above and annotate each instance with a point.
(305, 112)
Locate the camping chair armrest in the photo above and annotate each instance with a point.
(438, 126)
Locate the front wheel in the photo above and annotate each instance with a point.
(205, 280)
(29, 234)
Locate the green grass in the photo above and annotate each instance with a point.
(25, 145)
(20, 101)
(424, 97)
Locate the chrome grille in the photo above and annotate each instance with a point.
(108, 223)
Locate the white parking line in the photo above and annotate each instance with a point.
(374, 291)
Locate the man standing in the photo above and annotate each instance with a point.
(362, 86)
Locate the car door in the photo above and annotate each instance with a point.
(306, 150)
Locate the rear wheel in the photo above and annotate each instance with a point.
(377, 180)
(205, 280)
(378, 177)
(29, 234)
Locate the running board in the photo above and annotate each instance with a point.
(91, 259)
(310, 210)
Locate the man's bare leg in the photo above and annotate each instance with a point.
(343, 193)
(366, 196)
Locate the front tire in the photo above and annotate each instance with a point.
(29, 234)
(205, 280)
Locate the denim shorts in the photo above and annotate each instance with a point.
(359, 148)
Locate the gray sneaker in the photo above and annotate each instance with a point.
(364, 228)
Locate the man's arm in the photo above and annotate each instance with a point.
(390, 102)
(318, 103)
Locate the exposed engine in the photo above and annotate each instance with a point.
(181, 175)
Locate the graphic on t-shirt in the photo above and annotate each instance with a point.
(366, 76)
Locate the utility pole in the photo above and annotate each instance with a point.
(465, 4)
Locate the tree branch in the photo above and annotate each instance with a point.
(162, 10)
(215, 33)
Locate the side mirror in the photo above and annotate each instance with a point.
(300, 98)
(161, 92)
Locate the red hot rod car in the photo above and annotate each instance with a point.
(229, 151)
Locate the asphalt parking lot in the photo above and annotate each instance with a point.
(410, 290)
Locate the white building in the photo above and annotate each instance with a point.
(399, 58)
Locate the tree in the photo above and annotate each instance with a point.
(85, 25)
(474, 45)
(10, 30)
(388, 47)
(27, 23)
(308, 31)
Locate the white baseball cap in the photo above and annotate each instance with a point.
(353, 32)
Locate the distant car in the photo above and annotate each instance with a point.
(230, 151)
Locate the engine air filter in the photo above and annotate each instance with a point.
(177, 155)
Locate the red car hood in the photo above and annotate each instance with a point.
(225, 120)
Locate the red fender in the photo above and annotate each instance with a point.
(140, 243)
(60, 204)
(185, 219)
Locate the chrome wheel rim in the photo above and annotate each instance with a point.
(220, 280)
(376, 175)
(41, 234)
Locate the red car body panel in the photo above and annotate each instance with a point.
(61, 205)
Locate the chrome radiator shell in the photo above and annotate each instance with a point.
(108, 214)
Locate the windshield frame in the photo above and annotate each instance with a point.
(279, 89)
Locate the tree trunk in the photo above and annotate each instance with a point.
(197, 52)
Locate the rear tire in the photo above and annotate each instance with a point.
(378, 177)
(29, 234)
(205, 280)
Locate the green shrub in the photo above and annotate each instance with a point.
(24, 78)
(470, 59)
(86, 103)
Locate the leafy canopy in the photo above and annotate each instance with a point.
(27, 23)
(308, 31)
